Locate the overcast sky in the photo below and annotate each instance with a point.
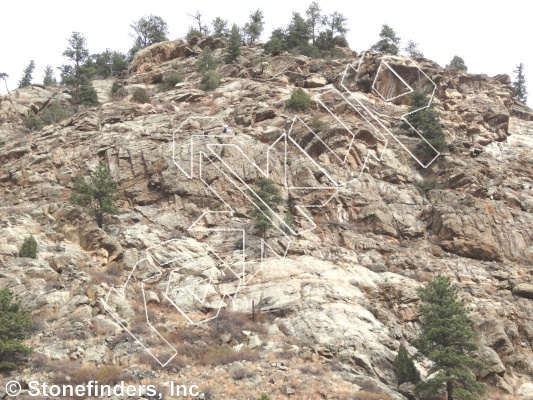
(492, 38)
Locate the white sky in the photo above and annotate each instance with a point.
(492, 38)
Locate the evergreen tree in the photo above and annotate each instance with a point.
(446, 340)
(255, 27)
(220, 27)
(520, 84)
(314, 19)
(270, 194)
(49, 79)
(106, 64)
(404, 368)
(15, 325)
(412, 50)
(78, 54)
(298, 33)
(87, 95)
(99, 195)
(457, 64)
(389, 42)
(206, 62)
(425, 121)
(148, 30)
(27, 75)
(336, 22)
(29, 248)
(234, 45)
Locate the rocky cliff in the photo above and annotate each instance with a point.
(334, 296)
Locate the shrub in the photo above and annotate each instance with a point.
(429, 184)
(170, 81)
(54, 113)
(33, 122)
(264, 396)
(193, 33)
(140, 96)
(29, 248)
(210, 81)
(117, 90)
(299, 101)
(87, 95)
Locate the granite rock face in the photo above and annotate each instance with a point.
(347, 289)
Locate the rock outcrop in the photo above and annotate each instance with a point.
(345, 296)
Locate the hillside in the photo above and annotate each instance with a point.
(335, 295)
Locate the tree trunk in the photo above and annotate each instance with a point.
(449, 389)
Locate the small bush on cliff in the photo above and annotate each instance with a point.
(55, 112)
(32, 122)
(140, 96)
(15, 325)
(99, 194)
(299, 101)
(171, 80)
(29, 248)
(210, 81)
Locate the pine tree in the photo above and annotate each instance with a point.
(255, 27)
(15, 325)
(99, 195)
(148, 30)
(404, 368)
(78, 54)
(27, 75)
(206, 62)
(336, 22)
(234, 45)
(520, 84)
(314, 19)
(389, 42)
(446, 340)
(457, 64)
(220, 27)
(87, 95)
(269, 193)
(412, 50)
(49, 79)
